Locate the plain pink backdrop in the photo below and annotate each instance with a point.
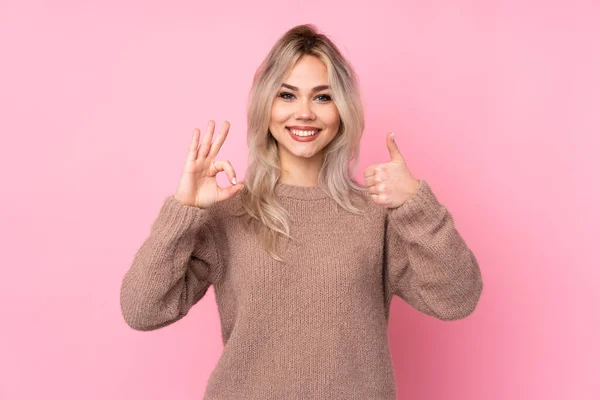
(495, 103)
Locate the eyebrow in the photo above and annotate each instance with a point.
(315, 89)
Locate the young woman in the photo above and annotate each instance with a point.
(304, 261)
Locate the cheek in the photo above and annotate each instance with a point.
(278, 113)
(332, 118)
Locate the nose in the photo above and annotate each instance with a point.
(305, 110)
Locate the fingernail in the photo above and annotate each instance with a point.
(234, 181)
(393, 140)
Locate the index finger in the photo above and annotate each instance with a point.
(370, 171)
(218, 142)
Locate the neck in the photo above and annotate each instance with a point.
(300, 171)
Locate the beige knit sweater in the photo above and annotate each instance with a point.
(315, 326)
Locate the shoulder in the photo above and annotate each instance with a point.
(365, 196)
(362, 199)
(228, 208)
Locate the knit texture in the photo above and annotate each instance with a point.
(314, 326)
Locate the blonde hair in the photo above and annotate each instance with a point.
(335, 177)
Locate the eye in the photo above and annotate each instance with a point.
(286, 95)
(324, 97)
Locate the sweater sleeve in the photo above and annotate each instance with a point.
(173, 268)
(428, 264)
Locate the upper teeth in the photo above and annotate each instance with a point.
(303, 133)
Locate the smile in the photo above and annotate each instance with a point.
(303, 135)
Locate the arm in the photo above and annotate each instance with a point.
(428, 264)
(173, 268)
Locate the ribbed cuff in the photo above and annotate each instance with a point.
(176, 218)
(420, 214)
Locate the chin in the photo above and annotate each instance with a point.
(308, 156)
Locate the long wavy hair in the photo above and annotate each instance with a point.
(341, 154)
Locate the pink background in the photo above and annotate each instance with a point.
(495, 103)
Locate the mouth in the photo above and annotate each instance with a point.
(303, 135)
(303, 132)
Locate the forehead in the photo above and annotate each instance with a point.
(308, 71)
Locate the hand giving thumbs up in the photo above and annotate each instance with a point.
(391, 184)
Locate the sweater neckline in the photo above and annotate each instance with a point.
(300, 192)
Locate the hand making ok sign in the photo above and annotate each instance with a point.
(198, 183)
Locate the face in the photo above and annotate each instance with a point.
(304, 118)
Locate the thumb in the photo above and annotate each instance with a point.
(393, 147)
(229, 191)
